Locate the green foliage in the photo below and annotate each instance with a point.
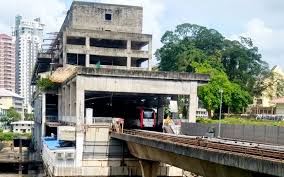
(240, 121)
(235, 66)
(12, 116)
(29, 117)
(192, 43)
(9, 136)
(272, 85)
(12, 113)
(233, 96)
(45, 84)
(182, 106)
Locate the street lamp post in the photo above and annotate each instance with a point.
(219, 126)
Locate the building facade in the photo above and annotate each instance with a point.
(279, 102)
(28, 42)
(263, 104)
(7, 62)
(22, 126)
(10, 99)
(105, 35)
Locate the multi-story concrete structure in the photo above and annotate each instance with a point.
(100, 61)
(108, 35)
(7, 62)
(28, 42)
(10, 99)
(22, 126)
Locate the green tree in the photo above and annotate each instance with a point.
(29, 116)
(233, 96)
(45, 84)
(272, 85)
(192, 43)
(12, 116)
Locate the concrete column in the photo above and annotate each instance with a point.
(63, 101)
(71, 93)
(175, 114)
(43, 114)
(64, 54)
(150, 55)
(149, 168)
(128, 54)
(80, 105)
(193, 103)
(80, 100)
(59, 104)
(87, 63)
(72, 99)
(66, 100)
(79, 147)
(160, 111)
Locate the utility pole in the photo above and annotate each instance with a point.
(219, 125)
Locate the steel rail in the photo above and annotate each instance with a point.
(205, 143)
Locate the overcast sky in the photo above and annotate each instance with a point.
(262, 20)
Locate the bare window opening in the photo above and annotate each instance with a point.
(107, 43)
(76, 59)
(108, 60)
(108, 17)
(136, 45)
(139, 62)
(76, 40)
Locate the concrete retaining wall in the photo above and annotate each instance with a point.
(264, 134)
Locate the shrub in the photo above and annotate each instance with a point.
(45, 84)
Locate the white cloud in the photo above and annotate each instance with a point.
(51, 13)
(269, 40)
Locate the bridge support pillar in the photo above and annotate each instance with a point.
(160, 111)
(193, 103)
(149, 168)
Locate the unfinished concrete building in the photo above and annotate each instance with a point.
(106, 35)
(100, 64)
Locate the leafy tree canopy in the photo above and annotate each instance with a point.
(29, 117)
(234, 97)
(12, 116)
(189, 43)
(272, 85)
(45, 84)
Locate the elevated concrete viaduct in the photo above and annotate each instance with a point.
(203, 161)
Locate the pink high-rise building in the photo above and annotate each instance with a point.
(7, 62)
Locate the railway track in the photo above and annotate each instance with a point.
(254, 149)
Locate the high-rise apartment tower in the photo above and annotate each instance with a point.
(28, 42)
(7, 62)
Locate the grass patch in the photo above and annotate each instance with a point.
(241, 121)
